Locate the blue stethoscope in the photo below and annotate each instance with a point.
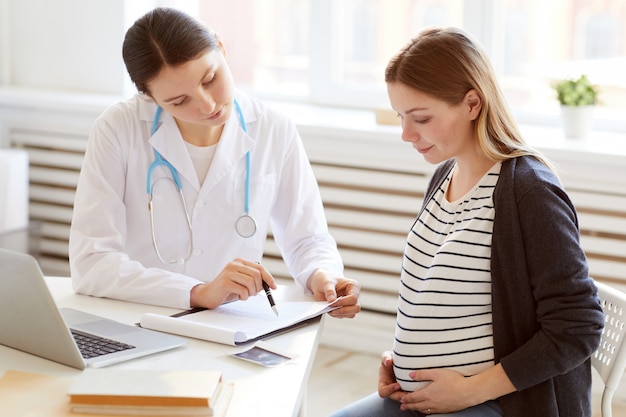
(245, 224)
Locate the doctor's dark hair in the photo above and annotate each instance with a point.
(163, 37)
(446, 63)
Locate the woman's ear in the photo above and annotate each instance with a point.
(474, 103)
(221, 45)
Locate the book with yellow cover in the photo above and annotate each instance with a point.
(149, 392)
(33, 394)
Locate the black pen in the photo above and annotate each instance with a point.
(268, 292)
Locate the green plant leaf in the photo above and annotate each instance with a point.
(576, 92)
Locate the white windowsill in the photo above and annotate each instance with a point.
(341, 122)
(362, 123)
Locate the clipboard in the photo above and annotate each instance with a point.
(243, 321)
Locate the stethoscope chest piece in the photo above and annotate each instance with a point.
(245, 226)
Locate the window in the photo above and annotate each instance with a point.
(335, 51)
(544, 41)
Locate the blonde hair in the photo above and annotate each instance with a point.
(446, 63)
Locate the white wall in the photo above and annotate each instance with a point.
(66, 45)
(4, 35)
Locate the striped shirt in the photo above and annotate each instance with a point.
(444, 307)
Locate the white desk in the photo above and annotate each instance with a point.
(259, 391)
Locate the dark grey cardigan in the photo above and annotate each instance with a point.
(547, 319)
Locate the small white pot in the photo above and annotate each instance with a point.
(576, 121)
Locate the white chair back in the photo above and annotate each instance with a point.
(610, 358)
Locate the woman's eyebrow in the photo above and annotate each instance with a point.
(413, 109)
(173, 98)
(208, 71)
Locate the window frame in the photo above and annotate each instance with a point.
(484, 20)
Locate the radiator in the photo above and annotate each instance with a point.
(55, 159)
(372, 186)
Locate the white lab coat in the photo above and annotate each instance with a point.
(111, 250)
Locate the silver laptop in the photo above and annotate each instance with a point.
(30, 321)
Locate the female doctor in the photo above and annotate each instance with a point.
(180, 183)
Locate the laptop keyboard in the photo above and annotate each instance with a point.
(91, 346)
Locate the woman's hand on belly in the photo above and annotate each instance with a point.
(387, 384)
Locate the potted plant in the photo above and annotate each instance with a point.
(578, 99)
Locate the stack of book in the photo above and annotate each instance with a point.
(150, 392)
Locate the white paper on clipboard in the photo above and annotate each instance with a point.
(242, 322)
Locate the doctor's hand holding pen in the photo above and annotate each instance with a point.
(238, 280)
(241, 279)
